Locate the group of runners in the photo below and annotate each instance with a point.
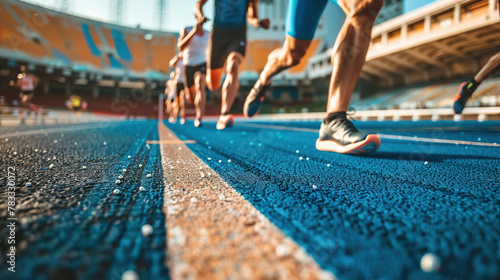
(206, 55)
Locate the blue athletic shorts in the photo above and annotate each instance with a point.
(302, 17)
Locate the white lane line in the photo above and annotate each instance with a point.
(64, 128)
(300, 129)
(170, 142)
(435, 140)
(384, 136)
(214, 233)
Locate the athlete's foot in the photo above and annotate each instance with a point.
(225, 121)
(461, 99)
(340, 136)
(255, 98)
(183, 121)
(171, 120)
(197, 123)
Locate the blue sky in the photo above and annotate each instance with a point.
(179, 12)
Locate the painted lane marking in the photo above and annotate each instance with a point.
(60, 129)
(170, 142)
(435, 140)
(214, 233)
(300, 129)
(385, 136)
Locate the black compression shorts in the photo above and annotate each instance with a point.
(190, 72)
(223, 42)
(180, 87)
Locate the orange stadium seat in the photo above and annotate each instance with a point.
(115, 62)
(301, 67)
(80, 42)
(257, 53)
(73, 31)
(137, 47)
(48, 27)
(107, 36)
(162, 49)
(12, 38)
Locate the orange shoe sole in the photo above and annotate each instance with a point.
(369, 145)
(229, 123)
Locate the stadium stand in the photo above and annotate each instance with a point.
(258, 51)
(101, 62)
(417, 59)
(17, 39)
(433, 95)
(47, 37)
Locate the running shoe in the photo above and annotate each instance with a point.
(255, 98)
(197, 123)
(171, 120)
(340, 136)
(183, 121)
(225, 121)
(461, 99)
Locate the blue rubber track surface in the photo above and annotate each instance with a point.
(370, 217)
(70, 223)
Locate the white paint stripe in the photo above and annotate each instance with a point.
(214, 233)
(170, 142)
(300, 129)
(385, 136)
(435, 140)
(60, 129)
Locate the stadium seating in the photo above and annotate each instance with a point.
(257, 53)
(301, 67)
(430, 95)
(41, 36)
(161, 49)
(87, 45)
(137, 48)
(15, 38)
(90, 54)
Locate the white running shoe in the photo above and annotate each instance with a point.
(225, 122)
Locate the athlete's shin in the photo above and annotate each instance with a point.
(182, 104)
(289, 55)
(199, 101)
(490, 68)
(214, 78)
(349, 55)
(231, 83)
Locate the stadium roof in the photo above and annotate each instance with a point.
(445, 39)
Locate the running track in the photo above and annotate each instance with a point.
(431, 188)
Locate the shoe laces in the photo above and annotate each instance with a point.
(347, 124)
(259, 89)
(350, 113)
(347, 121)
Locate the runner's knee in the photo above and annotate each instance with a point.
(293, 57)
(495, 59)
(199, 81)
(233, 63)
(368, 10)
(213, 81)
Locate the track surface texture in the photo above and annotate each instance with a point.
(370, 217)
(375, 216)
(70, 223)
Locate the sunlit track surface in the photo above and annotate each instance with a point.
(72, 224)
(375, 216)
